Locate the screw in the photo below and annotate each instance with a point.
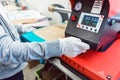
(109, 77)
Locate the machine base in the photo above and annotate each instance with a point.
(74, 71)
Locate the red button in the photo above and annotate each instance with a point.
(73, 17)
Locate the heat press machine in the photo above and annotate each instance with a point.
(91, 21)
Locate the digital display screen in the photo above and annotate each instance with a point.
(90, 20)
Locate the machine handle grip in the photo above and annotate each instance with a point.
(52, 8)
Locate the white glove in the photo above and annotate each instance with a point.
(24, 28)
(72, 46)
(27, 28)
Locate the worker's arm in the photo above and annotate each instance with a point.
(16, 52)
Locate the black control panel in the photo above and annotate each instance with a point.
(90, 27)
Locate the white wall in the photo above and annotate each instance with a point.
(42, 7)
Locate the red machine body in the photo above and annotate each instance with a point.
(114, 7)
(99, 65)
